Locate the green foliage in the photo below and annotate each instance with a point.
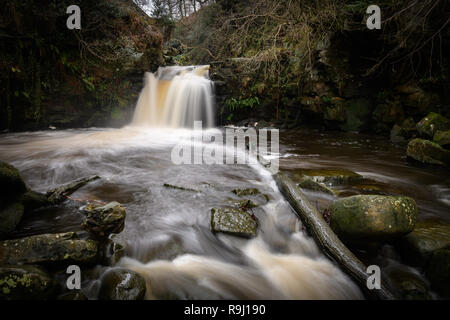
(249, 103)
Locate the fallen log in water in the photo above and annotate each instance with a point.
(326, 238)
(59, 194)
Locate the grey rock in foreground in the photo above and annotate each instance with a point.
(122, 284)
(233, 221)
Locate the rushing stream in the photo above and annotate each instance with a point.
(167, 234)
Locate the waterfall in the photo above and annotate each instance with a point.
(175, 97)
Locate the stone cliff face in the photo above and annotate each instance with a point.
(53, 76)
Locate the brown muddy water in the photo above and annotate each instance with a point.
(167, 234)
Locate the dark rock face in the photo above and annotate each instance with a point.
(25, 283)
(373, 217)
(11, 183)
(122, 284)
(104, 220)
(74, 78)
(438, 271)
(10, 218)
(51, 249)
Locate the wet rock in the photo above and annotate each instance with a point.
(310, 184)
(337, 110)
(328, 176)
(432, 123)
(122, 284)
(438, 271)
(410, 285)
(428, 152)
(104, 220)
(11, 183)
(358, 114)
(427, 237)
(442, 138)
(233, 221)
(10, 217)
(32, 200)
(62, 248)
(25, 283)
(244, 203)
(368, 218)
(246, 192)
(112, 253)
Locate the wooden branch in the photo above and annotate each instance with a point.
(326, 238)
(59, 194)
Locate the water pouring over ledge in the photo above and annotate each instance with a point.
(175, 97)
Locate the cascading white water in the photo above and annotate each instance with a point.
(175, 97)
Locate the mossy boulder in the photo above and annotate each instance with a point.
(427, 237)
(327, 176)
(25, 283)
(428, 152)
(104, 220)
(11, 183)
(310, 184)
(122, 284)
(366, 218)
(62, 248)
(233, 221)
(10, 218)
(32, 200)
(432, 123)
(442, 138)
(438, 271)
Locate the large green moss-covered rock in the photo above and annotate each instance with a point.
(25, 283)
(432, 123)
(104, 220)
(428, 152)
(10, 218)
(62, 248)
(122, 284)
(233, 221)
(427, 237)
(11, 183)
(442, 138)
(373, 217)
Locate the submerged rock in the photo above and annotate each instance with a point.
(244, 203)
(10, 217)
(438, 271)
(329, 176)
(122, 284)
(104, 220)
(233, 221)
(432, 123)
(427, 237)
(310, 184)
(428, 152)
(59, 248)
(409, 285)
(442, 138)
(373, 217)
(246, 192)
(25, 283)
